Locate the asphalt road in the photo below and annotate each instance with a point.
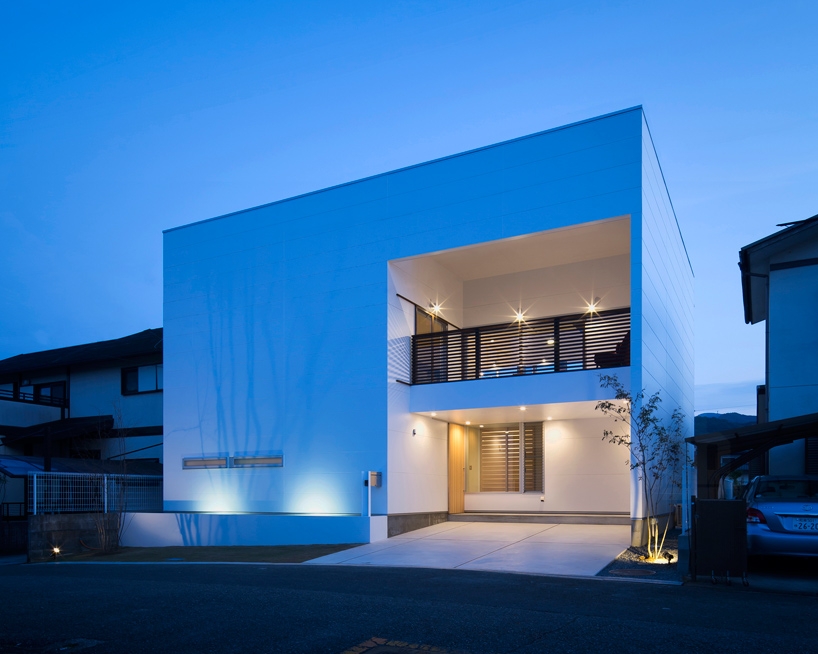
(268, 608)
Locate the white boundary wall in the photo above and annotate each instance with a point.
(213, 529)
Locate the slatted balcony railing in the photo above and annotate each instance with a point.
(533, 347)
(30, 398)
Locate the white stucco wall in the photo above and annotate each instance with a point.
(792, 374)
(97, 390)
(275, 316)
(662, 301)
(417, 447)
(194, 530)
(551, 291)
(23, 414)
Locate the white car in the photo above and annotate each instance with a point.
(782, 515)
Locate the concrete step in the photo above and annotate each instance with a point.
(545, 518)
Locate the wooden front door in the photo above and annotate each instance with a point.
(457, 467)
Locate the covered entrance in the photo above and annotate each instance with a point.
(552, 465)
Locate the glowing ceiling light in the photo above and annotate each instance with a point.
(549, 418)
(519, 316)
(467, 422)
(433, 414)
(481, 426)
(522, 408)
(435, 308)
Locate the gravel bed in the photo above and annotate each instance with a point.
(628, 565)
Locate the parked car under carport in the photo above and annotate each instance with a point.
(782, 515)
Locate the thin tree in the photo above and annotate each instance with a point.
(656, 449)
(111, 490)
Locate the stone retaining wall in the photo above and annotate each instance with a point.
(63, 530)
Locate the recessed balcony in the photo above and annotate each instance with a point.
(587, 341)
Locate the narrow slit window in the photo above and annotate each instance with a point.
(265, 461)
(204, 462)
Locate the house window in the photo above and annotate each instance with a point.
(427, 323)
(142, 379)
(44, 392)
(509, 458)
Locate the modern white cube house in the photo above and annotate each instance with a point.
(444, 324)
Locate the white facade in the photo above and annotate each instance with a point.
(288, 327)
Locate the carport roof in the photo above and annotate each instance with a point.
(753, 436)
(748, 443)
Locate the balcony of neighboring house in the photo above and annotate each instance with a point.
(52, 394)
(22, 406)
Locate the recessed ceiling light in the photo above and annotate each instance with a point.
(549, 418)
(433, 413)
(519, 316)
(468, 422)
(481, 426)
(522, 408)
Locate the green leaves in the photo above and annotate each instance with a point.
(654, 440)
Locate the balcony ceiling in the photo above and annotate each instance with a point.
(533, 413)
(556, 247)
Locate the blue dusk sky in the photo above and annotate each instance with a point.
(120, 120)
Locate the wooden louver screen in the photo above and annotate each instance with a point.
(533, 457)
(500, 459)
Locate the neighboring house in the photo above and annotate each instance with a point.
(444, 325)
(95, 401)
(779, 278)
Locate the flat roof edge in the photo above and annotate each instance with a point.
(410, 167)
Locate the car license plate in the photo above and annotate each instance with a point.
(805, 523)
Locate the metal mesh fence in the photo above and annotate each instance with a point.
(66, 492)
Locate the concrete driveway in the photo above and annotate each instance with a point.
(581, 550)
